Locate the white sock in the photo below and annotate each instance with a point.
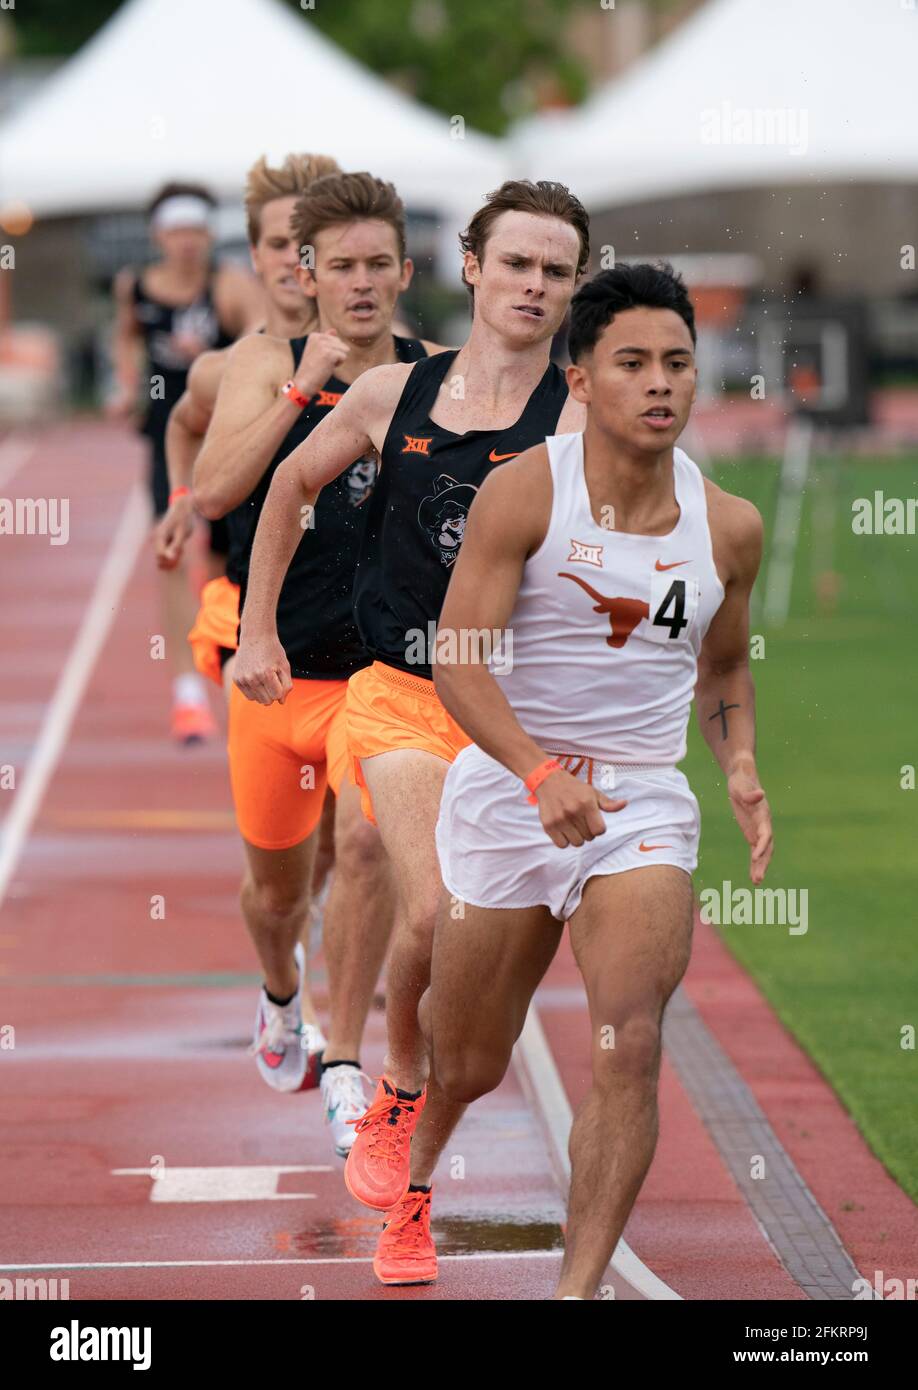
(575, 1296)
(189, 689)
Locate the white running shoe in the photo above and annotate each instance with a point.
(344, 1098)
(313, 1043)
(287, 1050)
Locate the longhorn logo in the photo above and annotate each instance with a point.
(624, 614)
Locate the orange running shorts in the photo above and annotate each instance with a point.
(388, 709)
(282, 758)
(215, 626)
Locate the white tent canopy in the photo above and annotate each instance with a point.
(745, 93)
(198, 90)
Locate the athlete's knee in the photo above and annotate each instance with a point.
(415, 925)
(358, 847)
(626, 1047)
(465, 1073)
(274, 899)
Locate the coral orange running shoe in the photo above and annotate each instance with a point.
(377, 1171)
(406, 1253)
(192, 724)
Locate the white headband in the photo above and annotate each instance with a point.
(182, 210)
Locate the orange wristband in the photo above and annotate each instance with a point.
(293, 393)
(538, 775)
(178, 492)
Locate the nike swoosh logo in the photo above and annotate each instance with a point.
(644, 848)
(673, 566)
(499, 458)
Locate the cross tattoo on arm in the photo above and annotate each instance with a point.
(722, 711)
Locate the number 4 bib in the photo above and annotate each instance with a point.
(673, 605)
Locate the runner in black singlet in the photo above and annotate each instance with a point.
(416, 516)
(275, 394)
(163, 328)
(315, 610)
(271, 193)
(524, 251)
(169, 313)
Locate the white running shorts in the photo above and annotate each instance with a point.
(494, 851)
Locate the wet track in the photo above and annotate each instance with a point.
(128, 978)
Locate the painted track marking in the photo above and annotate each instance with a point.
(319, 1260)
(97, 621)
(254, 1183)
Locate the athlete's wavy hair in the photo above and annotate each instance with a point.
(265, 182)
(596, 303)
(522, 195)
(342, 198)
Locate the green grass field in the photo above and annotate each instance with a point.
(836, 707)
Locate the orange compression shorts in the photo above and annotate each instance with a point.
(388, 709)
(282, 758)
(215, 626)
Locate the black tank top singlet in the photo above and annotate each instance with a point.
(315, 620)
(416, 515)
(159, 323)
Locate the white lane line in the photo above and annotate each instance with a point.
(14, 451)
(321, 1260)
(545, 1091)
(103, 608)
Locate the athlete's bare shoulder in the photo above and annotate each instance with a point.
(530, 468)
(736, 532)
(379, 388)
(369, 403)
(208, 368)
(206, 373)
(259, 352)
(518, 497)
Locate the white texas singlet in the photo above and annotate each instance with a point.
(607, 627)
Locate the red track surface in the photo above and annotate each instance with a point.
(108, 1074)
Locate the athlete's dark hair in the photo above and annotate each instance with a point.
(341, 198)
(596, 303)
(522, 195)
(181, 190)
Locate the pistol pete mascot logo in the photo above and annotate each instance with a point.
(443, 516)
(361, 479)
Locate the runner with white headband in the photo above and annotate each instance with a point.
(169, 313)
(181, 210)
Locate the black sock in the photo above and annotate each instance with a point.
(397, 1091)
(281, 1003)
(339, 1062)
(418, 1187)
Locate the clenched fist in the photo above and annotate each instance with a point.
(261, 670)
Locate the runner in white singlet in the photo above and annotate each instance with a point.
(615, 581)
